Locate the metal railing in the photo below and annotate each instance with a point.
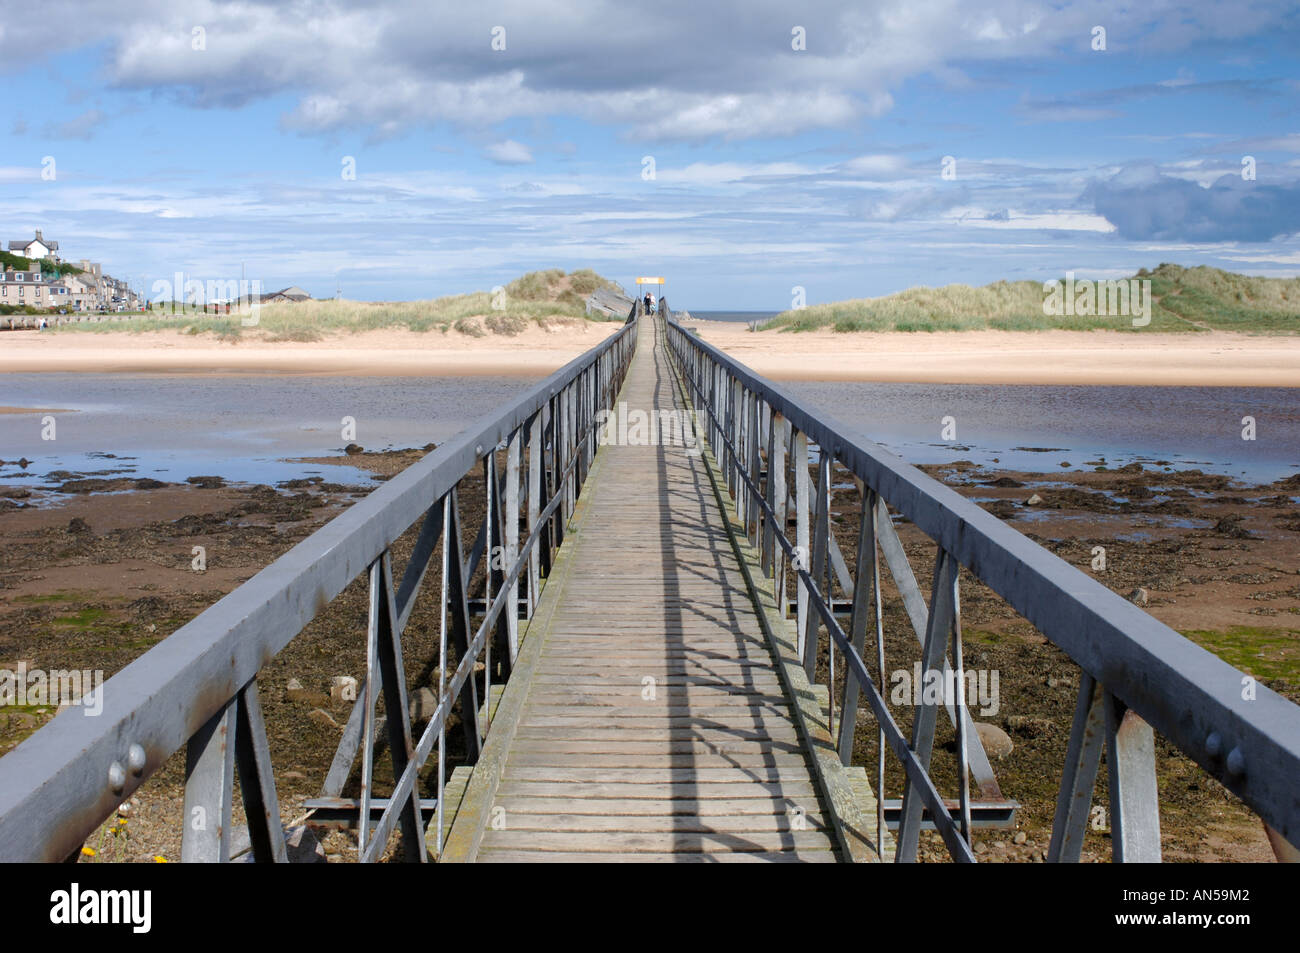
(1137, 673)
(198, 688)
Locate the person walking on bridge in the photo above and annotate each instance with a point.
(649, 303)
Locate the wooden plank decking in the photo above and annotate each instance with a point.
(653, 724)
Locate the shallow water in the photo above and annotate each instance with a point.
(1038, 428)
(246, 429)
(249, 428)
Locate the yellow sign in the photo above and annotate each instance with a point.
(649, 281)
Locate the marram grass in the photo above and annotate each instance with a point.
(1183, 299)
(543, 298)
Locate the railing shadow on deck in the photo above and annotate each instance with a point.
(198, 687)
(727, 615)
(778, 454)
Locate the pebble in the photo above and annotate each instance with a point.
(1020, 837)
(343, 688)
(422, 704)
(996, 742)
(322, 717)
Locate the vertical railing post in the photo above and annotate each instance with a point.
(742, 453)
(802, 499)
(535, 453)
(1079, 775)
(938, 625)
(555, 527)
(776, 469)
(209, 788)
(863, 595)
(566, 454)
(820, 544)
(511, 512)
(1134, 798)
(753, 518)
(960, 717)
(257, 780)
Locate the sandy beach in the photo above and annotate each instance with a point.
(1210, 359)
(387, 353)
(971, 357)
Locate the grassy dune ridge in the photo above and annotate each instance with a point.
(1183, 299)
(540, 297)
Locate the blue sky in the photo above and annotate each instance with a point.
(209, 137)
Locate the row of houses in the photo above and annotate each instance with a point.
(87, 290)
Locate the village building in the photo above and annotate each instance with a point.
(291, 293)
(31, 288)
(36, 248)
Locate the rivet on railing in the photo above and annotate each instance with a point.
(1236, 763)
(135, 759)
(116, 777)
(1214, 744)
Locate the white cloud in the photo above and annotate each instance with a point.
(1272, 258)
(1066, 221)
(729, 173)
(875, 165)
(411, 62)
(509, 152)
(19, 173)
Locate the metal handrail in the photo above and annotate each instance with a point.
(198, 687)
(1136, 669)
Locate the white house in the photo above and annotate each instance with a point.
(36, 249)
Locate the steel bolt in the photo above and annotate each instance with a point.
(1214, 745)
(135, 759)
(116, 777)
(1236, 763)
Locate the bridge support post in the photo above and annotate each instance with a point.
(923, 724)
(1079, 776)
(209, 788)
(384, 668)
(1134, 799)
(257, 780)
(458, 610)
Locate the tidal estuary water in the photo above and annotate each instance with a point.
(253, 429)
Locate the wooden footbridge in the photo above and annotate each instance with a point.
(648, 716)
(656, 649)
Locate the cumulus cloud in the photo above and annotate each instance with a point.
(411, 62)
(1146, 204)
(509, 152)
